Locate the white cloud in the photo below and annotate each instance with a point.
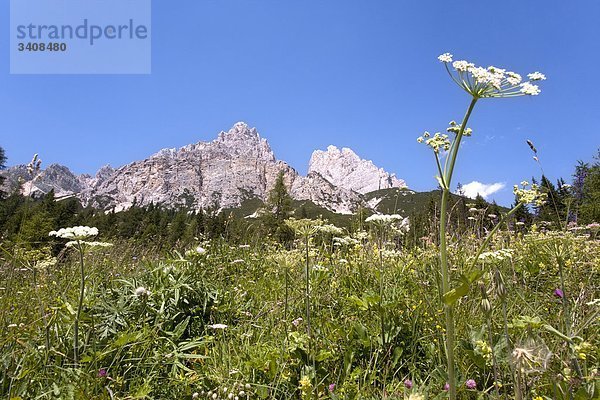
(484, 189)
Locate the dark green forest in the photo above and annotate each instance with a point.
(571, 201)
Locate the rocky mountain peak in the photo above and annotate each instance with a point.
(105, 172)
(241, 139)
(240, 131)
(346, 169)
(236, 166)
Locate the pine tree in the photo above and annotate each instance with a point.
(279, 208)
(279, 202)
(553, 210)
(589, 210)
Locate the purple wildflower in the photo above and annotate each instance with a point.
(331, 387)
(102, 373)
(446, 387)
(471, 384)
(408, 384)
(559, 293)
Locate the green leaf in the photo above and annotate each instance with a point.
(555, 331)
(70, 308)
(324, 355)
(180, 328)
(191, 345)
(125, 339)
(453, 295)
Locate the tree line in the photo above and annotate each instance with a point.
(27, 221)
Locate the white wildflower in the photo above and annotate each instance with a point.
(330, 229)
(513, 78)
(492, 81)
(200, 250)
(530, 196)
(462, 65)
(218, 326)
(446, 58)
(529, 89)
(383, 218)
(496, 255)
(142, 292)
(536, 76)
(75, 233)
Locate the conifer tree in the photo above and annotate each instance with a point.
(279, 208)
(279, 202)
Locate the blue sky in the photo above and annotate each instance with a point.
(360, 74)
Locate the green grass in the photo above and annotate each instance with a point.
(165, 346)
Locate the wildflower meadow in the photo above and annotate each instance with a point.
(470, 301)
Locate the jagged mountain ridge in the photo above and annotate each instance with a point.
(346, 169)
(236, 166)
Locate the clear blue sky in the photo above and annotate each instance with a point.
(310, 73)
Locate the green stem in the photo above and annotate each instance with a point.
(43, 314)
(449, 309)
(307, 304)
(567, 316)
(494, 360)
(381, 312)
(79, 306)
(450, 167)
(513, 369)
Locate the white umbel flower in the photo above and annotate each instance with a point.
(75, 233)
(462, 65)
(529, 89)
(536, 76)
(513, 78)
(492, 81)
(383, 218)
(445, 58)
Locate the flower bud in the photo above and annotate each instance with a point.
(486, 306)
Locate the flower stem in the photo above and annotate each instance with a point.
(449, 309)
(79, 306)
(307, 304)
(567, 315)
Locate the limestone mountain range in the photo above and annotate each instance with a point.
(238, 165)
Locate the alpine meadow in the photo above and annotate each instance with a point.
(215, 270)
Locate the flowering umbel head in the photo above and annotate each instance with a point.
(526, 195)
(437, 142)
(75, 233)
(492, 81)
